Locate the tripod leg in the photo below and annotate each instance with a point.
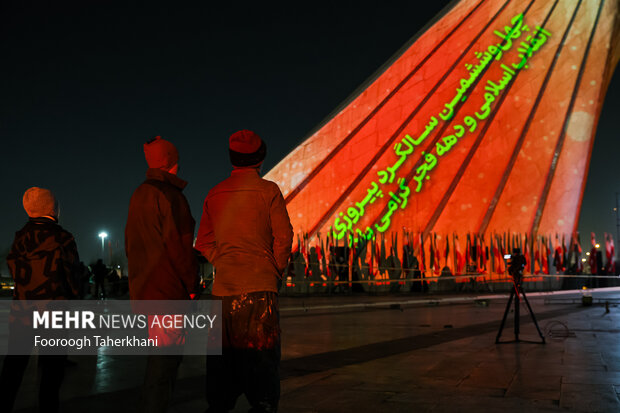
(533, 316)
(517, 312)
(501, 327)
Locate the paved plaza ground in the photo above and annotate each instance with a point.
(400, 354)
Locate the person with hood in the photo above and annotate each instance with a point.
(159, 238)
(44, 264)
(245, 231)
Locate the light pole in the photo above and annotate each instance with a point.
(103, 236)
(617, 211)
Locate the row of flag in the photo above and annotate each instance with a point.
(397, 255)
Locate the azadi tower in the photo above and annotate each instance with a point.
(483, 123)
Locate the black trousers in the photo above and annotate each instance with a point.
(159, 380)
(99, 285)
(52, 373)
(51, 367)
(250, 360)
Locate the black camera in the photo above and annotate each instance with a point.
(517, 264)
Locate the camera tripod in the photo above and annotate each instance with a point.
(514, 293)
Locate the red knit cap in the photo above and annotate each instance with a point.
(39, 202)
(160, 154)
(246, 148)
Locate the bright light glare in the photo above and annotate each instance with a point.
(103, 235)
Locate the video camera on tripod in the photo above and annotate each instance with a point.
(516, 265)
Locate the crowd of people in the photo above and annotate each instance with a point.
(245, 231)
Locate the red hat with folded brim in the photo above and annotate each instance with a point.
(246, 149)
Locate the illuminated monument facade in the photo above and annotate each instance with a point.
(482, 125)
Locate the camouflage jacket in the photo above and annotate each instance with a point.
(44, 262)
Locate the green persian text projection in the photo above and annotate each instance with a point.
(344, 223)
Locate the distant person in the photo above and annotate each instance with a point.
(394, 271)
(245, 231)
(357, 272)
(419, 284)
(100, 271)
(315, 265)
(44, 264)
(162, 265)
(446, 280)
(84, 280)
(342, 269)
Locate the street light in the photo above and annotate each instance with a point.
(103, 236)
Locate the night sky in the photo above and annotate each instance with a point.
(83, 86)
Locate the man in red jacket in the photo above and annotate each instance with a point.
(245, 231)
(162, 265)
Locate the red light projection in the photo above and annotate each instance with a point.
(483, 125)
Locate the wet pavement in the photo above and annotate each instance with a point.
(400, 354)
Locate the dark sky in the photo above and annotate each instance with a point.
(83, 85)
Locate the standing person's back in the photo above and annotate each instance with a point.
(44, 264)
(100, 271)
(245, 231)
(160, 231)
(250, 226)
(162, 265)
